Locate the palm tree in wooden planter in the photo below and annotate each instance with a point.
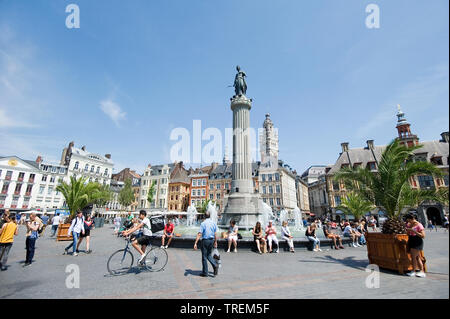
(78, 194)
(390, 190)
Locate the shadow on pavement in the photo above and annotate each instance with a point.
(359, 264)
(191, 272)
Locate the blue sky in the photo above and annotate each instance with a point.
(135, 70)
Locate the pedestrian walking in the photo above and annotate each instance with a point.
(56, 220)
(76, 228)
(208, 235)
(88, 226)
(7, 233)
(45, 220)
(33, 225)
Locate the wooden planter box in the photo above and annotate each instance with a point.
(390, 252)
(63, 233)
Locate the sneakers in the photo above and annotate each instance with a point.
(354, 245)
(75, 254)
(89, 251)
(319, 249)
(277, 251)
(228, 251)
(235, 250)
(358, 245)
(216, 271)
(162, 246)
(165, 247)
(141, 258)
(420, 274)
(65, 251)
(315, 249)
(412, 273)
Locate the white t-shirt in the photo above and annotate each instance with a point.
(147, 230)
(348, 229)
(56, 220)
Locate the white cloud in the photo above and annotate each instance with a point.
(113, 110)
(6, 121)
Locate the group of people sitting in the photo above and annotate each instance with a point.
(265, 238)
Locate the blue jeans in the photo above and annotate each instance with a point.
(207, 247)
(54, 229)
(29, 245)
(74, 243)
(315, 241)
(362, 240)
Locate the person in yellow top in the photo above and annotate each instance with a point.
(7, 233)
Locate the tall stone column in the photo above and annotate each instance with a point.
(242, 166)
(243, 204)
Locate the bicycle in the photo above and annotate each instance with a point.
(121, 261)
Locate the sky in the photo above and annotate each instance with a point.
(136, 70)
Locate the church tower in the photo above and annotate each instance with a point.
(404, 130)
(269, 141)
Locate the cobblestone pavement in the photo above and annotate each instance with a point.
(328, 274)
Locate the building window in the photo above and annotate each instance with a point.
(264, 190)
(371, 166)
(263, 176)
(278, 201)
(211, 187)
(41, 189)
(52, 179)
(269, 177)
(50, 190)
(44, 178)
(21, 176)
(277, 177)
(203, 192)
(54, 169)
(278, 189)
(426, 181)
(446, 180)
(336, 186)
(271, 201)
(86, 168)
(98, 170)
(218, 195)
(18, 188)
(106, 172)
(227, 186)
(8, 175)
(76, 165)
(31, 179)
(211, 196)
(270, 189)
(217, 186)
(337, 200)
(29, 188)
(204, 182)
(194, 182)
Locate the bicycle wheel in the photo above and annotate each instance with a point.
(120, 262)
(156, 259)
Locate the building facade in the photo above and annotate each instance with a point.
(135, 179)
(436, 152)
(302, 195)
(179, 189)
(199, 191)
(160, 175)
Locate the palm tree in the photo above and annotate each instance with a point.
(389, 188)
(78, 194)
(103, 196)
(355, 205)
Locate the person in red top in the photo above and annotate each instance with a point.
(416, 234)
(167, 233)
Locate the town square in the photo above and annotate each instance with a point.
(252, 150)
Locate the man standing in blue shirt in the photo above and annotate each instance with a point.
(208, 235)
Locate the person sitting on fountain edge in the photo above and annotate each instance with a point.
(167, 233)
(271, 235)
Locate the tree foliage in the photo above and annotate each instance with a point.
(354, 204)
(389, 188)
(126, 195)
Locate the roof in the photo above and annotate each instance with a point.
(31, 163)
(366, 155)
(94, 156)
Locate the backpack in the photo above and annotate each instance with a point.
(157, 223)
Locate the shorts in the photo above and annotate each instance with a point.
(144, 240)
(169, 234)
(233, 237)
(415, 242)
(86, 233)
(347, 235)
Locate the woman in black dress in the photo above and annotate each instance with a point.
(88, 225)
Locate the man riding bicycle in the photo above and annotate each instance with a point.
(145, 239)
